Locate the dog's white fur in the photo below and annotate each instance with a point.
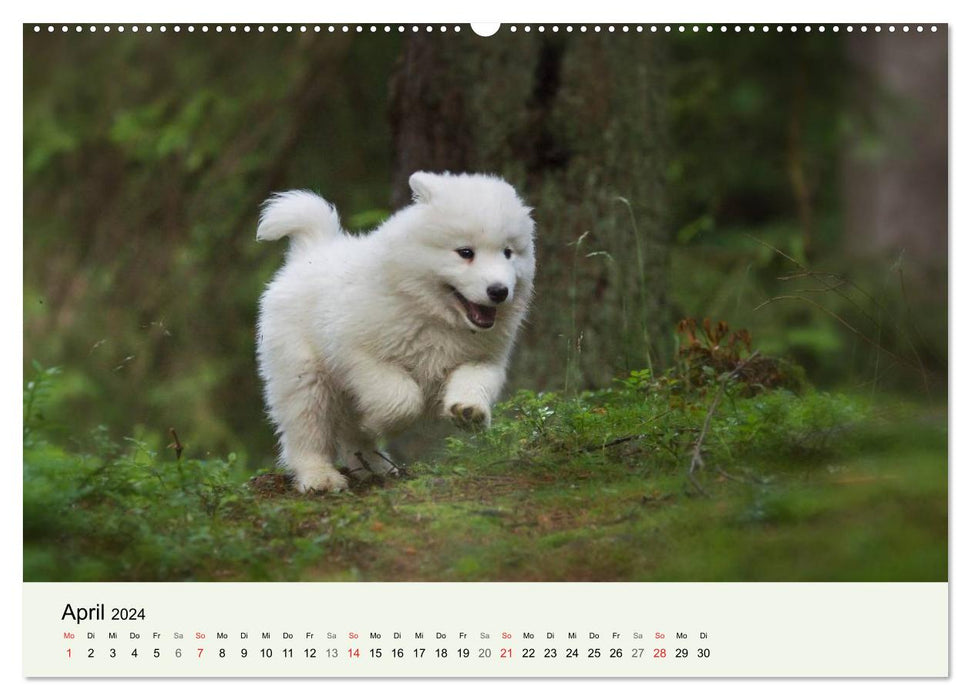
(360, 336)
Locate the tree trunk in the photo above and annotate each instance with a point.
(896, 174)
(574, 122)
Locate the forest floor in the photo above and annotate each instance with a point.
(796, 487)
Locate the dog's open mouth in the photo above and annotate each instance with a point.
(478, 315)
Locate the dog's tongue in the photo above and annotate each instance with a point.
(483, 316)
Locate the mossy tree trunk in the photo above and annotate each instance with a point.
(576, 123)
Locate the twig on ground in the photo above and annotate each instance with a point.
(610, 443)
(697, 460)
(626, 438)
(176, 445)
(395, 469)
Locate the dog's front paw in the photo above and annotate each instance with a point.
(470, 416)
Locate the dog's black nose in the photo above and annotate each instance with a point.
(497, 292)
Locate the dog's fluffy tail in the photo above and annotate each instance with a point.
(302, 215)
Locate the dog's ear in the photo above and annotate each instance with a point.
(422, 186)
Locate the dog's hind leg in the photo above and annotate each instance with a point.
(360, 455)
(300, 406)
(363, 458)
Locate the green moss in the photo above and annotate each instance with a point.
(803, 488)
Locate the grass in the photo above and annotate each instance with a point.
(811, 487)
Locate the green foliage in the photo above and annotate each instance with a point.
(584, 487)
(36, 394)
(146, 159)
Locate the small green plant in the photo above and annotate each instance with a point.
(36, 392)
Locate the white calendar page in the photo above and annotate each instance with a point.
(483, 630)
(135, 611)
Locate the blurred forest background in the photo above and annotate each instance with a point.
(672, 176)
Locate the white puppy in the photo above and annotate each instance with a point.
(359, 336)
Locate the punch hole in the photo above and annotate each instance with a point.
(485, 29)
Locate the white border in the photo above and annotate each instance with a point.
(601, 11)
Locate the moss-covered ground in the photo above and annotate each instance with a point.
(796, 487)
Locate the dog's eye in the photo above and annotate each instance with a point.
(508, 253)
(465, 253)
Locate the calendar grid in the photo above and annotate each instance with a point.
(474, 630)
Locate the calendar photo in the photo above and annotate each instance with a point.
(398, 304)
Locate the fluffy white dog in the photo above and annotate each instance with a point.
(360, 336)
